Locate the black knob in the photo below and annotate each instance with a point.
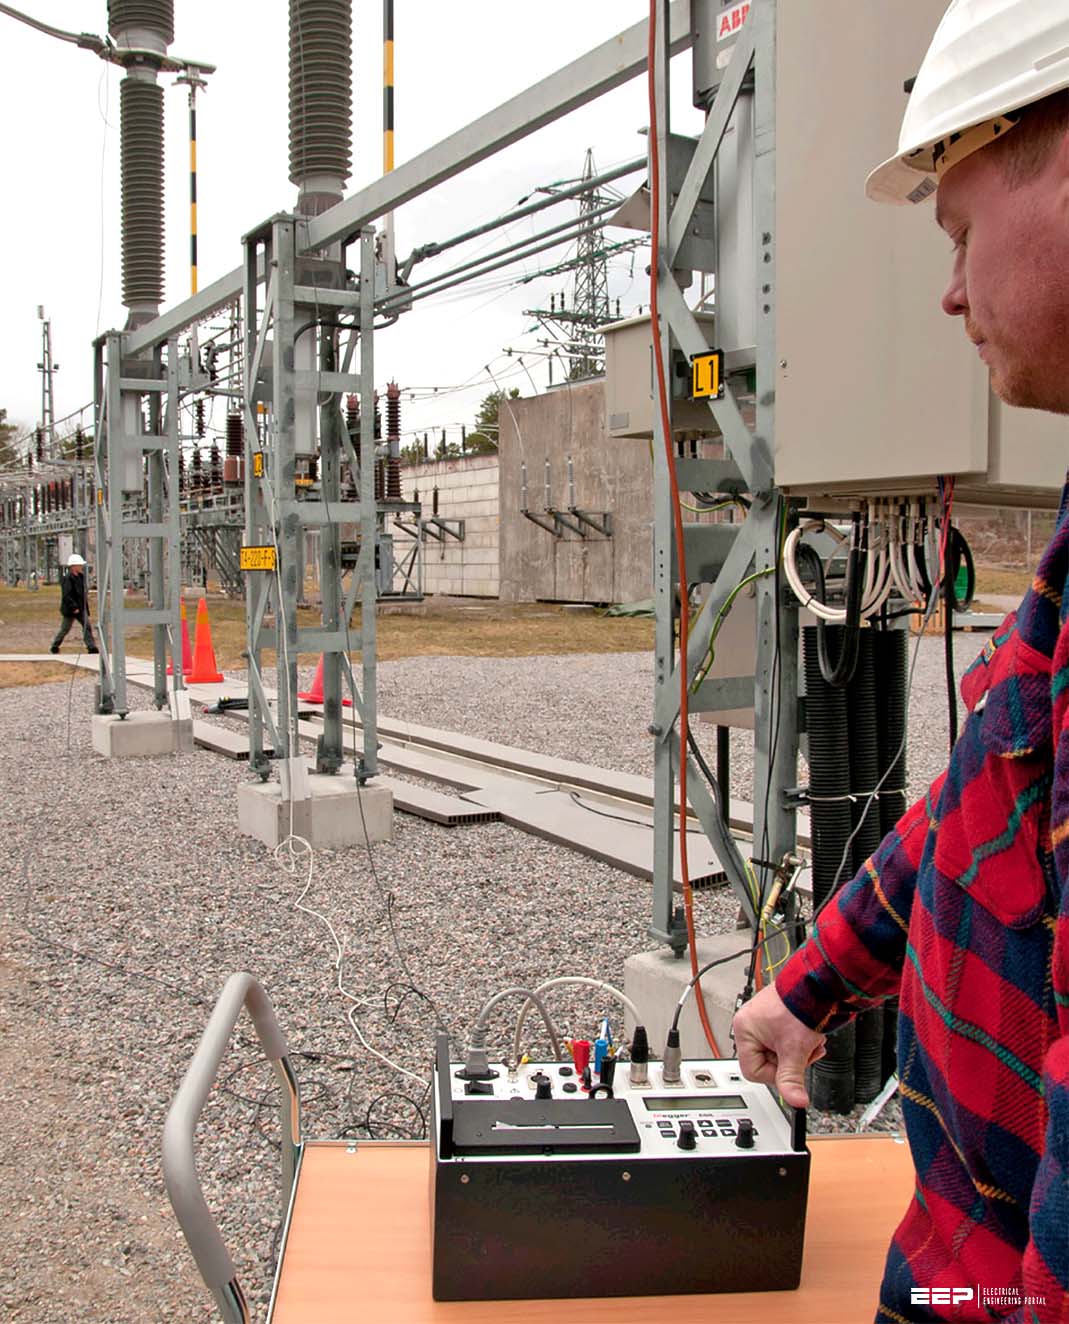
(688, 1137)
(744, 1140)
(543, 1087)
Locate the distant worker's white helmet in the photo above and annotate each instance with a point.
(75, 559)
(988, 59)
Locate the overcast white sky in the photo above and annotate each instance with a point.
(59, 106)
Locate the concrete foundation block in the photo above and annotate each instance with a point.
(140, 735)
(330, 818)
(655, 980)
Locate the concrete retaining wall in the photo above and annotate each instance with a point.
(609, 475)
(468, 490)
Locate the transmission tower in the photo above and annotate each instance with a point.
(574, 329)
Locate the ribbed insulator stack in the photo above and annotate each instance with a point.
(393, 436)
(380, 480)
(155, 16)
(215, 461)
(393, 479)
(352, 413)
(321, 97)
(196, 477)
(234, 464)
(393, 412)
(181, 472)
(235, 435)
(198, 417)
(79, 444)
(141, 111)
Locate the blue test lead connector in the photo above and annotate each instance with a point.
(601, 1052)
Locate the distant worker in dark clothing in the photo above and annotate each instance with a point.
(74, 604)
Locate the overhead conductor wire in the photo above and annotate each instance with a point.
(677, 513)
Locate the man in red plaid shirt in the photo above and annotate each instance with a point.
(963, 912)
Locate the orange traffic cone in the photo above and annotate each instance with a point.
(187, 656)
(315, 694)
(204, 671)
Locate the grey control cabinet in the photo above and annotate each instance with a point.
(878, 390)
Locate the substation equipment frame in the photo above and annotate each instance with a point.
(303, 294)
(135, 437)
(722, 235)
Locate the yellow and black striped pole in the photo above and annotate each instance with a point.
(387, 86)
(191, 77)
(387, 126)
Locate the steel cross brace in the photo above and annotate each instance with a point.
(757, 543)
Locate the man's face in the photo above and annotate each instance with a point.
(1010, 279)
(75, 569)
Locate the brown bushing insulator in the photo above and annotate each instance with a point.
(235, 434)
(393, 479)
(393, 412)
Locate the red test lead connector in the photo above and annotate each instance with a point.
(581, 1055)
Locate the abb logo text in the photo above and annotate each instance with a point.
(731, 20)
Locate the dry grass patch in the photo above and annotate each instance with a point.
(450, 626)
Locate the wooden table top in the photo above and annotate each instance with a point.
(358, 1250)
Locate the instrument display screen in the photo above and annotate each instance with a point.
(702, 1104)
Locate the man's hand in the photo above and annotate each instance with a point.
(775, 1047)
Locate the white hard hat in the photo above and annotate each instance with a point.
(75, 559)
(988, 59)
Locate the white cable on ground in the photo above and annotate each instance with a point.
(574, 980)
(287, 855)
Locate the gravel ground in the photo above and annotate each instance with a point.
(127, 897)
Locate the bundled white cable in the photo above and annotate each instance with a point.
(834, 615)
(573, 980)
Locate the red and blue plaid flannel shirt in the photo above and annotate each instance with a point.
(964, 913)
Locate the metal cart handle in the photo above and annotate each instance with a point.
(179, 1166)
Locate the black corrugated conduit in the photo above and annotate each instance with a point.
(831, 1080)
(892, 683)
(863, 719)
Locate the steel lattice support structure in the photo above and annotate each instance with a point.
(307, 296)
(136, 480)
(753, 546)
